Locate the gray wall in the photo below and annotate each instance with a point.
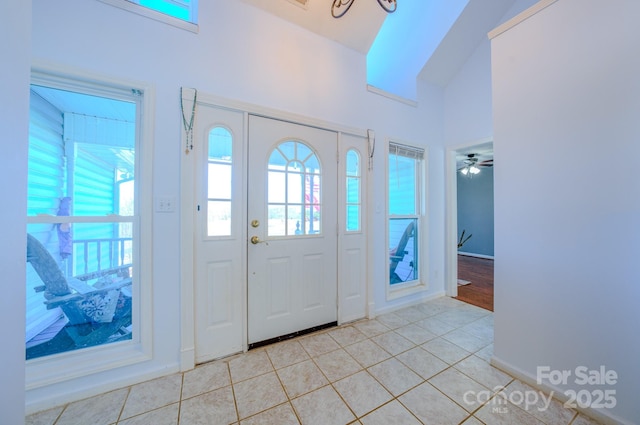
(475, 211)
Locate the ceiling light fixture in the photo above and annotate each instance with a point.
(340, 7)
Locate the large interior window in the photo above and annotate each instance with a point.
(82, 211)
(405, 199)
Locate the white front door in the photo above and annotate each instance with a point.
(292, 226)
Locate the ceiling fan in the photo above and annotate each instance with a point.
(472, 164)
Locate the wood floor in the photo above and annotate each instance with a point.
(479, 271)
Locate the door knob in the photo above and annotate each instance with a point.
(255, 240)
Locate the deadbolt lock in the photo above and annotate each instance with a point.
(255, 223)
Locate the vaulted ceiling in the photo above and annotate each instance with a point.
(426, 39)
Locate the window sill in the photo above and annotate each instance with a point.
(405, 289)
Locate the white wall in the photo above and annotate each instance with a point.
(245, 54)
(15, 25)
(566, 94)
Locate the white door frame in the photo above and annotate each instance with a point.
(451, 215)
(188, 212)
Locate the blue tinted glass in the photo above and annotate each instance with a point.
(168, 8)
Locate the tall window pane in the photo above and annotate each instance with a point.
(405, 210)
(81, 217)
(353, 181)
(219, 182)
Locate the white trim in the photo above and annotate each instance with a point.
(153, 14)
(54, 219)
(388, 95)
(599, 415)
(521, 17)
(409, 303)
(471, 254)
(277, 114)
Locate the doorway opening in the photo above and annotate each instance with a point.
(471, 257)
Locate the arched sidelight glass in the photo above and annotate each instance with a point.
(294, 182)
(354, 197)
(219, 165)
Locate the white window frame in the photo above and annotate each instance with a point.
(48, 370)
(400, 290)
(135, 7)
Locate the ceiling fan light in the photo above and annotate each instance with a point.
(464, 171)
(474, 170)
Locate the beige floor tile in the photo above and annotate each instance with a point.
(435, 326)
(393, 343)
(479, 328)
(500, 414)
(395, 376)
(316, 345)
(392, 320)
(549, 411)
(101, 409)
(584, 420)
(279, 415)
(362, 393)
(371, 327)
(301, 378)
(467, 341)
(212, 408)
(411, 314)
(416, 334)
(46, 417)
(460, 388)
(286, 353)
(485, 353)
(347, 335)
(482, 372)
(249, 365)
(432, 407)
(445, 350)
(205, 378)
(257, 394)
(460, 317)
(322, 407)
(392, 413)
(152, 395)
(167, 415)
(422, 362)
(472, 421)
(367, 353)
(337, 365)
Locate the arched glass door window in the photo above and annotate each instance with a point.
(294, 189)
(354, 197)
(219, 166)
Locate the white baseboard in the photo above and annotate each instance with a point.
(187, 359)
(471, 254)
(410, 303)
(599, 415)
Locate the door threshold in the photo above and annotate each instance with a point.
(291, 335)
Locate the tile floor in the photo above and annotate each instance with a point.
(412, 366)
